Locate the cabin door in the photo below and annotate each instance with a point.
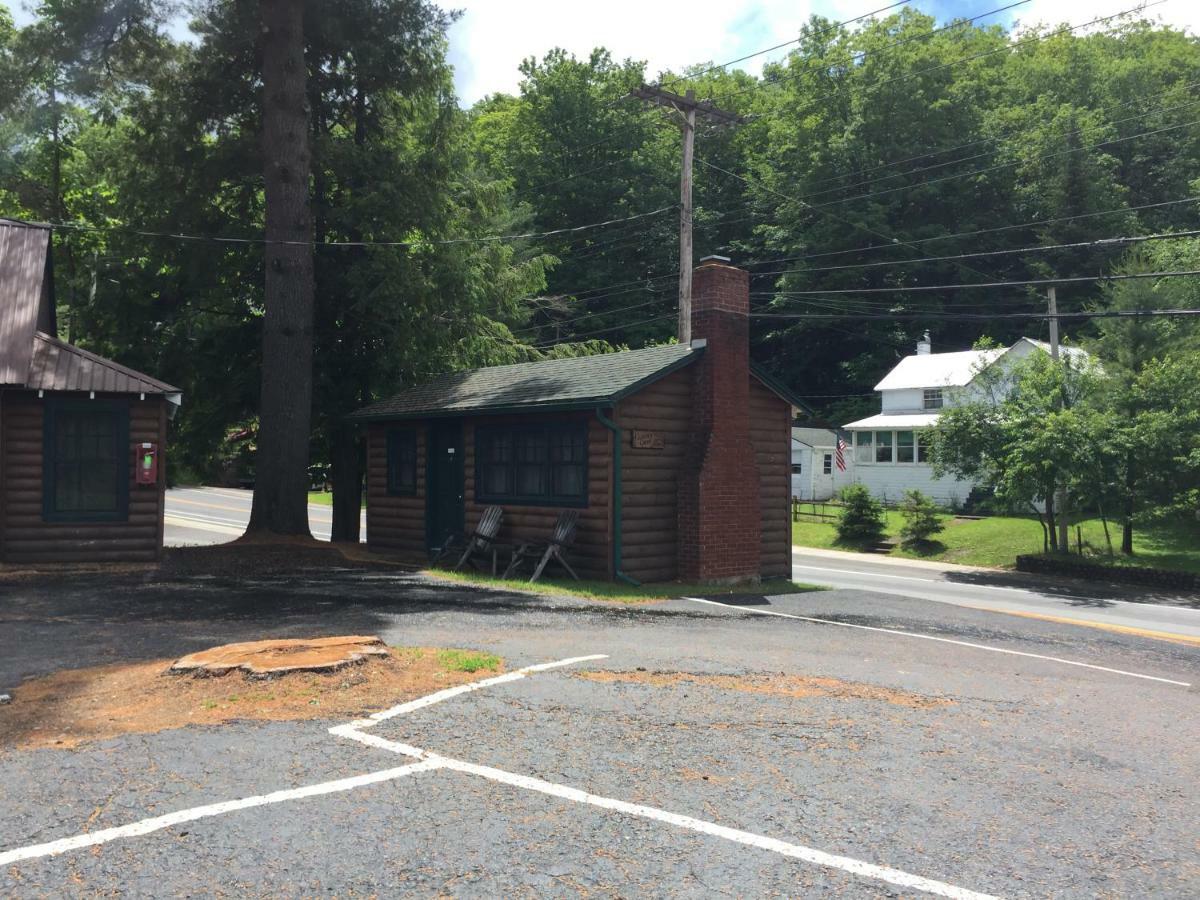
(444, 509)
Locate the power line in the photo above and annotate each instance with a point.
(955, 317)
(1101, 242)
(945, 237)
(991, 284)
(832, 27)
(998, 166)
(986, 140)
(575, 338)
(80, 226)
(951, 162)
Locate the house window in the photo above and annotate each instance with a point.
(922, 448)
(797, 469)
(933, 398)
(905, 447)
(539, 465)
(827, 464)
(862, 443)
(402, 461)
(883, 446)
(85, 458)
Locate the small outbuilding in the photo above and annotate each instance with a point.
(677, 457)
(82, 472)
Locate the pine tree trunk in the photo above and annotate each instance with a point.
(281, 468)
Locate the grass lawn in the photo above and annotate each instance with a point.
(996, 542)
(620, 592)
(324, 498)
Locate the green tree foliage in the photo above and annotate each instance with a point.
(862, 519)
(921, 519)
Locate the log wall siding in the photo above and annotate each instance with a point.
(592, 554)
(28, 538)
(395, 523)
(771, 436)
(650, 478)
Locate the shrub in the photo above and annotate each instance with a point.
(862, 516)
(921, 519)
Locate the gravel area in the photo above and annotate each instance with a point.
(1001, 773)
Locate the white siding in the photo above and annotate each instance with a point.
(903, 400)
(889, 482)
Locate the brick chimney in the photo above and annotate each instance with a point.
(720, 515)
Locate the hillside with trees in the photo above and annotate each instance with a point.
(876, 156)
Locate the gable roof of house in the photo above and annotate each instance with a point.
(582, 382)
(934, 370)
(31, 358)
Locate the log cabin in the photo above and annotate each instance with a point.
(677, 457)
(82, 474)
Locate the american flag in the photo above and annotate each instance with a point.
(839, 455)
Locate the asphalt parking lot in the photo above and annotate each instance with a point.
(847, 743)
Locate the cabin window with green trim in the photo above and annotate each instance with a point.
(402, 461)
(533, 465)
(85, 461)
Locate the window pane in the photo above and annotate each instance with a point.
(922, 448)
(402, 461)
(933, 398)
(883, 446)
(827, 465)
(570, 481)
(85, 460)
(904, 446)
(862, 440)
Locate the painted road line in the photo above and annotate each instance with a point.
(353, 731)
(198, 525)
(941, 640)
(158, 823)
(943, 581)
(1173, 637)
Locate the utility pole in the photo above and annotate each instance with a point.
(686, 108)
(1064, 537)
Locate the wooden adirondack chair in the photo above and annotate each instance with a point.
(562, 540)
(482, 538)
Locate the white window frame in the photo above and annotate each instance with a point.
(891, 444)
(933, 398)
(827, 464)
(859, 446)
(920, 447)
(913, 447)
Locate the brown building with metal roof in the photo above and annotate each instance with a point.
(82, 474)
(676, 457)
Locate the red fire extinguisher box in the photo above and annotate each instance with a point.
(147, 464)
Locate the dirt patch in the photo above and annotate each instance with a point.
(281, 655)
(78, 705)
(796, 686)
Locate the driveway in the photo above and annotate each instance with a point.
(823, 744)
(208, 515)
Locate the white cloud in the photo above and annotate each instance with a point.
(493, 36)
(1178, 13)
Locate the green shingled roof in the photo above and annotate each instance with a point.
(555, 384)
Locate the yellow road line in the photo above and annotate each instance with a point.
(1174, 638)
(238, 509)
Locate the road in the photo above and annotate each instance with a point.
(1011, 592)
(209, 515)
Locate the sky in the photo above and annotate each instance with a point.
(491, 37)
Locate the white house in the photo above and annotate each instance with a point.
(889, 451)
(815, 475)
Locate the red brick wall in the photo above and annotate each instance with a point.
(720, 513)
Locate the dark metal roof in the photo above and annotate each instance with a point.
(31, 358)
(22, 267)
(59, 366)
(555, 384)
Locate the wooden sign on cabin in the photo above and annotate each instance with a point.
(648, 440)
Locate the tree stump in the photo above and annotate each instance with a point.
(279, 656)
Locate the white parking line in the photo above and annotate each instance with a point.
(941, 640)
(429, 761)
(146, 826)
